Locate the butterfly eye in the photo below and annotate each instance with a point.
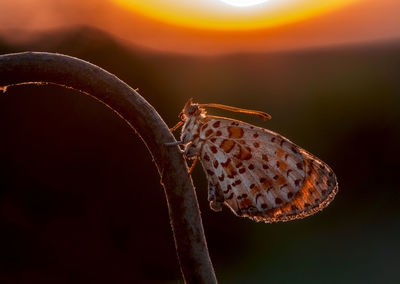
(192, 110)
(182, 116)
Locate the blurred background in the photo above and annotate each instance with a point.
(81, 201)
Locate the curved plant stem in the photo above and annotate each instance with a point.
(191, 247)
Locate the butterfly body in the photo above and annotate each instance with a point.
(257, 173)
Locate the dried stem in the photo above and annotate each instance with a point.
(191, 247)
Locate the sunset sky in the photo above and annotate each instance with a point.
(210, 26)
(81, 198)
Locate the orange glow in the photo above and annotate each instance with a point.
(217, 15)
(336, 23)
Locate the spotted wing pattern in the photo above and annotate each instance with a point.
(260, 174)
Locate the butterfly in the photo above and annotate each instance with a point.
(255, 172)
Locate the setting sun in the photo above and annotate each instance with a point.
(210, 26)
(217, 15)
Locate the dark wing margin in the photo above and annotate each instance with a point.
(318, 190)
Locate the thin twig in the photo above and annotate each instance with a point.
(31, 67)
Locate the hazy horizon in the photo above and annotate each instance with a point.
(361, 22)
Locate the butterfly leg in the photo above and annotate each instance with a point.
(176, 126)
(215, 196)
(176, 143)
(193, 165)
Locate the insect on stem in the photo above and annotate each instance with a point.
(261, 114)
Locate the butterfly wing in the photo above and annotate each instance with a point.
(260, 174)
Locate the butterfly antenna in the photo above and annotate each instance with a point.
(261, 114)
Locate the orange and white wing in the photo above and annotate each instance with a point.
(260, 174)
